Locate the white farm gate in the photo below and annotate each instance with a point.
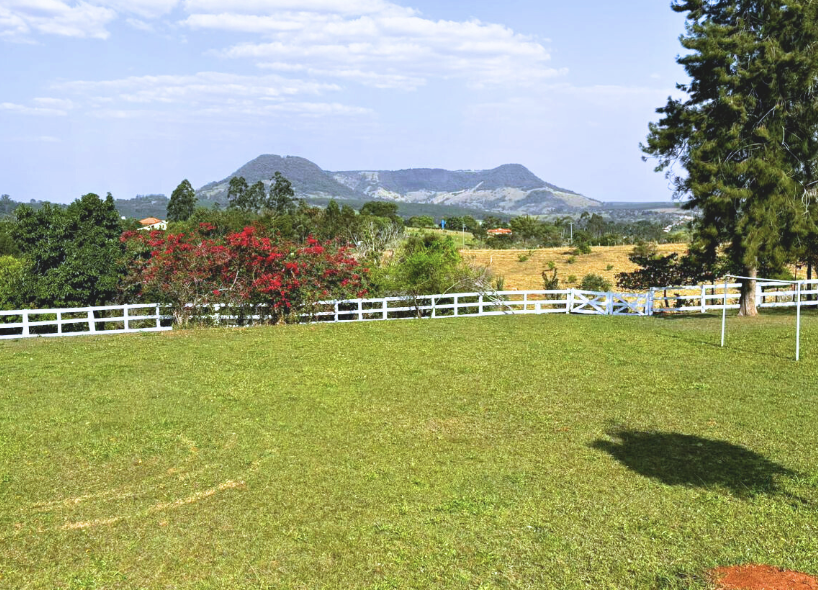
(599, 303)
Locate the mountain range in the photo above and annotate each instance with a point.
(509, 189)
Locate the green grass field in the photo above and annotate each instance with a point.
(512, 452)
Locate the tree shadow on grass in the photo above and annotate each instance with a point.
(691, 461)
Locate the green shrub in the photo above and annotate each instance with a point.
(552, 282)
(571, 259)
(593, 282)
(11, 272)
(425, 265)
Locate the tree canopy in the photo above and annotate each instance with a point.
(741, 145)
(72, 256)
(182, 202)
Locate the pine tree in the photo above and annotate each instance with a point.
(745, 135)
(182, 202)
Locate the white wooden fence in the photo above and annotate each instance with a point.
(120, 319)
(83, 321)
(705, 298)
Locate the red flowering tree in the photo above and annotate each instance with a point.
(251, 274)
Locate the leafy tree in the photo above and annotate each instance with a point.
(282, 195)
(7, 206)
(746, 135)
(526, 228)
(470, 222)
(11, 271)
(455, 223)
(381, 209)
(492, 222)
(252, 273)
(596, 225)
(421, 221)
(73, 255)
(182, 202)
(336, 222)
(424, 265)
(656, 270)
(237, 194)
(8, 247)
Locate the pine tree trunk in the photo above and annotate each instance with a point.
(748, 294)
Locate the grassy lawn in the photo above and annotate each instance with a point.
(512, 452)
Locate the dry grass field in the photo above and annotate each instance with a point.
(522, 269)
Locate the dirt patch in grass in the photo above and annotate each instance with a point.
(761, 577)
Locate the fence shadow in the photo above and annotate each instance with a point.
(691, 461)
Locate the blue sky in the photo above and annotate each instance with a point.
(132, 96)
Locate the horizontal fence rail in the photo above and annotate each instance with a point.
(83, 321)
(705, 298)
(123, 319)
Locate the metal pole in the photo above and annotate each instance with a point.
(798, 327)
(724, 315)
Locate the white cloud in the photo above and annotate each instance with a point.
(55, 103)
(54, 17)
(368, 78)
(206, 94)
(43, 110)
(67, 18)
(256, 7)
(143, 8)
(375, 42)
(196, 89)
(140, 25)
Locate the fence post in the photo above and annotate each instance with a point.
(704, 299)
(569, 301)
(127, 319)
(798, 325)
(360, 310)
(456, 305)
(525, 302)
(26, 330)
(385, 309)
(609, 303)
(158, 316)
(759, 294)
(92, 325)
(434, 308)
(336, 312)
(480, 305)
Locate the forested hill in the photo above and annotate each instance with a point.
(308, 179)
(510, 189)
